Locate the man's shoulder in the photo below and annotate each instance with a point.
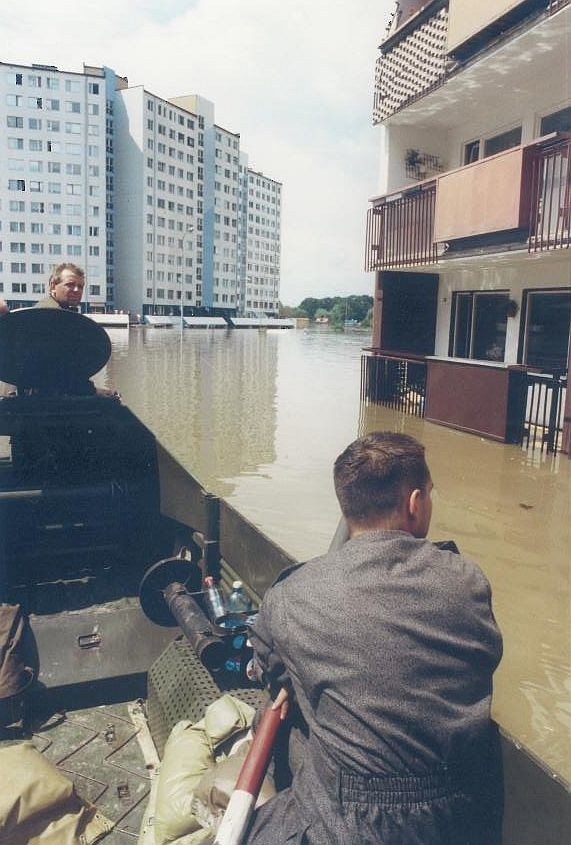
(47, 302)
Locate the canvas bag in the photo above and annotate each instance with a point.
(18, 664)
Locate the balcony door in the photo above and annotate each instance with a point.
(546, 328)
(478, 325)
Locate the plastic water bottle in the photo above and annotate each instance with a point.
(238, 600)
(213, 599)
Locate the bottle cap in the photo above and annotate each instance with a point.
(237, 585)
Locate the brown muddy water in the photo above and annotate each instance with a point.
(259, 417)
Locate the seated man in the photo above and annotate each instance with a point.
(58, 368)
(388, 645)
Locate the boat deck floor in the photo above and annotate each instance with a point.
(108, 753)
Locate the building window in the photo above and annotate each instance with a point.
(547, 316)
(471, 152)
(504, 141)
(478, 325)
(559, 121)
(480, 148)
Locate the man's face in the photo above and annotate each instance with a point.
(69, 289)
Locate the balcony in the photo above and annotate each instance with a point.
(517, 198)
(400, 229)
(510, 404)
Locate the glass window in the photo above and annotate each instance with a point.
(471, 152)
(546, 338)
(559, 121)
(478, 325)
(504, 141)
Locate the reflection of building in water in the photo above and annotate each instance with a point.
(219, 389)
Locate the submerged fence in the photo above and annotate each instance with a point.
(542, 425)
(399, 382)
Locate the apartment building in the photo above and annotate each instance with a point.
(53, 192)
(149, 198)
(468, 233)
(262, 215)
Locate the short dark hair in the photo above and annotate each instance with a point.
(55, 277)
(374, 472)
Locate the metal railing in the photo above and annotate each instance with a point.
(400, 230)
(550, 207)
(399, 382)
(396, 381)
(544, 408)
(555, 5)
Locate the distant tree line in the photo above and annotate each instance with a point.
(337, 309)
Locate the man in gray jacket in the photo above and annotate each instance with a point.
(388, 645)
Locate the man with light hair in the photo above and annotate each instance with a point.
(65, 288)
(388, 645)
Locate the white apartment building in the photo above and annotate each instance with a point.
(147, 194)
(157, 264)
(469, 231)
(263, 221)
(52, 179)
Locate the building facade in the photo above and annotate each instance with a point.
(149, 195)
(469, 233)
(53, 193)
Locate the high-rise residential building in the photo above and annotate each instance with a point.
(53, 192)
(153, 198)
(262, 215)
(469, 232)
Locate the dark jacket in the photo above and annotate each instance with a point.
(390, 645)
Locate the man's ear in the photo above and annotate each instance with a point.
(414, 503)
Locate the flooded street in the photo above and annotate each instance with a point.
(259, 417)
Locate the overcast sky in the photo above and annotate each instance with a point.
(294, 78)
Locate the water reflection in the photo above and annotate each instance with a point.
(260, 417)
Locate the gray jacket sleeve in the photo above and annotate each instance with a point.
(269, 663)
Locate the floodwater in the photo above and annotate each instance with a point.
(259, 417)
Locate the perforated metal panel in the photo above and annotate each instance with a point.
(180, 687)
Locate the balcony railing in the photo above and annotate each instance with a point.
(555, 5)
(396, 381)
(542, 424)
(400, 229)
(550, 217)
(522, 194)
